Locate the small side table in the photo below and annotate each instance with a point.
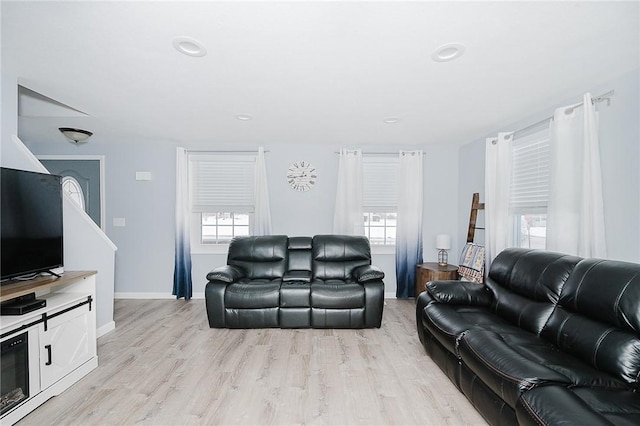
(431, 271)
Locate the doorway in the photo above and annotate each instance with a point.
(82, 179)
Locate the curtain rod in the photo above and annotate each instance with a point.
(213, 151)
(376, 153)
(604, 97)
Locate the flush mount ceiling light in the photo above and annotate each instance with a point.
(244, 117)
(391, 120)
(75, 135)
(448, 52)
(189, 46)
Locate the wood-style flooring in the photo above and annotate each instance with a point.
(163, 365)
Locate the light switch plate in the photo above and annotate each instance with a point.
(119, 222)
(143, 175)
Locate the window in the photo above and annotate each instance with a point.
(380, 200)
(72, 187)
(530, 189)
(221, 192)
(221, 227)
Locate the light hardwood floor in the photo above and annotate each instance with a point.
(163, 365)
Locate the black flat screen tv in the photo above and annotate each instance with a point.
(31, 223)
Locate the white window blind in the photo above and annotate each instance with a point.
(221, 182)
(530, 173)
(380, 184)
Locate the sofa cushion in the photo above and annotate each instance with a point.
(526, 285)
(335, 294)
(259, 257)
(555, 405)
(253, 294)
(448, 322)
(512, 363)
(299, 252)
(336, 256)
(533, 274)
(607, 291)
(598, 317)
(297, 276)
(295, 294)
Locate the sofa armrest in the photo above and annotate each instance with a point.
(365, 273)
(298, 276)
(227, 274)
(459, 293)
(374, 303)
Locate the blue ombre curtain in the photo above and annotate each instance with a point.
(575, 213)
(262, 212)
(497, 190)
(348, 217)
(409, 225)
(182, 286)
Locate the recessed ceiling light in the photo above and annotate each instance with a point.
(189, 46)
(244, 117)
(448, 52)
(391, 120)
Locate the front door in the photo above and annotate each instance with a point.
(81, 180)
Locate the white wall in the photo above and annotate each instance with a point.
(619, 151)
(144, 260)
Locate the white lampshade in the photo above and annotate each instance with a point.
(443, 242)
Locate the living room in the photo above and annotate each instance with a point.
(473, 97)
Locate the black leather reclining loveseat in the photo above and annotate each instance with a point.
(274, 281)
(550, 340)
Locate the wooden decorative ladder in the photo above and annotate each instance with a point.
(475, 206)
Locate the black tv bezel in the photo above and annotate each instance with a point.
(9, 278)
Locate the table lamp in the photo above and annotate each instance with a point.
(443, 243)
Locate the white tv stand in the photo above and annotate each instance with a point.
(61, 336)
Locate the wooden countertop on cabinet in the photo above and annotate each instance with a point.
(431, 271)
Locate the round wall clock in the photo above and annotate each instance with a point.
(301, 176)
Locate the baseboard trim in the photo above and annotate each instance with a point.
(127, 295)
(110, 326)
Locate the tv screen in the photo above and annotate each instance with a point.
(31, 223)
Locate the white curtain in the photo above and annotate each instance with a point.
(182, 285)
(498, 164)
(575, 213)
(262, 213)
(348, 218)
(409, 222)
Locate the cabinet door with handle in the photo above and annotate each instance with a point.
(66, 344)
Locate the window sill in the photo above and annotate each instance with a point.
(218, 249)
(383, 249)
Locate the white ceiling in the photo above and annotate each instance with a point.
(321, 72)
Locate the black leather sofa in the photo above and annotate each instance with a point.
(275, 281)
(549, 340)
